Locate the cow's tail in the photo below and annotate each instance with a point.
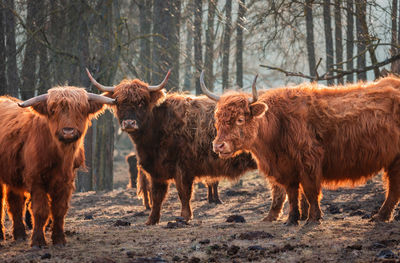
(143, 187)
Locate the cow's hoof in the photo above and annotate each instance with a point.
(270, 218)
(291, 223)
(378, 218)
(151, 222)
(312, 223)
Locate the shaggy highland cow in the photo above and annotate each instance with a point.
(41, 147)
(310, 136)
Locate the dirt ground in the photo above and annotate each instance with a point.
(109, 227)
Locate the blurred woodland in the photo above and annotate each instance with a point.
(44, 43)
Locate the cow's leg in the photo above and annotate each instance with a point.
(158, 193)
(40, 210)
(312, 190)
(143, 188)
(304, 207)
(393, 193)
(292, 191)
(213, 196)
(16, 208)
(59, 206)
(2, 237)
(278, 199)
(184, 185)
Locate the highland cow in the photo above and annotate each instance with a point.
(41, 147)
(311, 136)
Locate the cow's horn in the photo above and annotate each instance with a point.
(205, 90)
(162, 84)
(98, 85)
(254, 90)
(100, 99)
(33, 101)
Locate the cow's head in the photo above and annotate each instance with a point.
(235, 120)
(135, 100)
(68, 110)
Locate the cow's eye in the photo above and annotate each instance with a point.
(240, 121)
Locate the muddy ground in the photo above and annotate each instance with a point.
(109, 227)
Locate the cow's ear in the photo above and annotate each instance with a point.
(257, 109)
(41, 108)
(157, 97)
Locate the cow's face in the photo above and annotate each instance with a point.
(134, 103)
(68, 110)
(236, 123)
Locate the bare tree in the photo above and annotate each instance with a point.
(338, 38)
(166, 24)
(145, 44)
(239, 43)
(187, 83)
(394, 48)
(310, 36)
(226, 44)
(350, 38)
(361, 10)
(11, 55)
(328, 38)
(198, 14)
(209, 54)
(28, 74)
(3, 80)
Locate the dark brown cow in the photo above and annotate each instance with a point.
(173, 138)
(40, 148)
(310, 135)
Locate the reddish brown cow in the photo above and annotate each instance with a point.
(310, 135)
(41, 147)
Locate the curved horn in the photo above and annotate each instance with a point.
(33, 101)
(98, 85)
(100, 99)
(254, 91)
(205, 90)
(162, 84)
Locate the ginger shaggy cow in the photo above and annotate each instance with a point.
(311, 135)
(40, 148)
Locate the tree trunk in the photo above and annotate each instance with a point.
(310, 37)
(338, 39)
(239, 43)
(11, 54)
(361, 45)
(187, 83)
(28, 74)
(3, 80)
(350, 39)
(145, 30)
(44, 70)
(226, 45)
(198, 58)
(166, 19)
(328, 39)
(394, 50)
(84, 180)
(209, 54)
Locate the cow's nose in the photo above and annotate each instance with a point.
(69, 132)
(219, 147)
(129, 125)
